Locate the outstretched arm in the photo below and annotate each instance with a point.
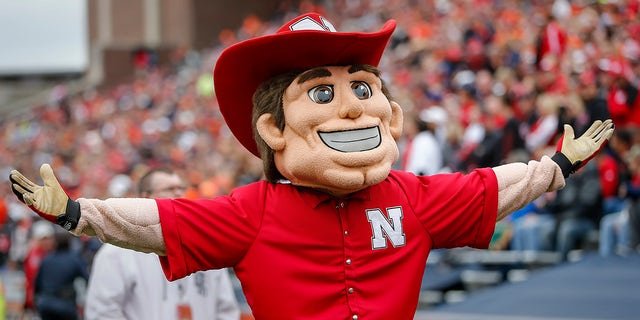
(519, 183)
(128, 223)
(132, 223)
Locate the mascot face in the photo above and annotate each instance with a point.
(340, 130)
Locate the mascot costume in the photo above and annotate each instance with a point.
(332, 232)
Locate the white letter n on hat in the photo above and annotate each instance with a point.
(309, 23)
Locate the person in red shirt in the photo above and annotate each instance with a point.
(613, 170)
(333, 232)
(42, 242)
(552, 42)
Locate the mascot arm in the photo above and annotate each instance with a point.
(132, 223)
(521, 183)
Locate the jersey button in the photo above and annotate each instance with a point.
(348, 261)
(341, 204)
(350, 290)
(346, 233)
(354, 317)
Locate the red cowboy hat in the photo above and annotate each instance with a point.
(305, 42)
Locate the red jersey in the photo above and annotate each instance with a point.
(304, 254)
(31, 266)
(609, 171)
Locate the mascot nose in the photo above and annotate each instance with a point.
(351, 108)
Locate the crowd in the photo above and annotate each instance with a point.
(481, 82)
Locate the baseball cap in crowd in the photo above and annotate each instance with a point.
(305, 42)
(42, 229)
(434, 114)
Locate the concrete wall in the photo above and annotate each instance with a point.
(120, 27)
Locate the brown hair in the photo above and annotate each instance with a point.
(268, 99)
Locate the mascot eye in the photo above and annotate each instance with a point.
(361, 90)
(321, 94)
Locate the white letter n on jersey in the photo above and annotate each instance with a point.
(383, 228)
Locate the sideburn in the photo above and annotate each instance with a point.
(268, 99)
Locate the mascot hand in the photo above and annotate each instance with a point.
(578, 151)
(48, 201)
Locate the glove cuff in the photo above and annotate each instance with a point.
(565, 164)
(69, 219)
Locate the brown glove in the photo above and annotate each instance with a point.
(48, 201)
(573, 153)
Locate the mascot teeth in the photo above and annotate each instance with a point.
(352, 140)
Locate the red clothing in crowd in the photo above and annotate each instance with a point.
(553, 41)
(609, 176)
(31, 266)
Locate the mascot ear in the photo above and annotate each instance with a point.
(395, 125)
(269, 132)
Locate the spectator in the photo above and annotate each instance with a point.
(126, 284)
(6, 226)
(614, 233)
(423, 152)
(615, 237)
(552, 42)
(489, 152)
(633, 194)
(42, 242)
(613, 170)
(55, 285)
(543, 132)
(578, 209)
(20, 238)
(594, 102)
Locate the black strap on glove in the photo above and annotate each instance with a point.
(565, 165)
(69, 219)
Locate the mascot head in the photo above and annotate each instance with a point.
(310, 102)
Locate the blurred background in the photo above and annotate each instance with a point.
(104, 90)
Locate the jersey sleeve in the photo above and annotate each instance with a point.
(456, 210)
(207, 234)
